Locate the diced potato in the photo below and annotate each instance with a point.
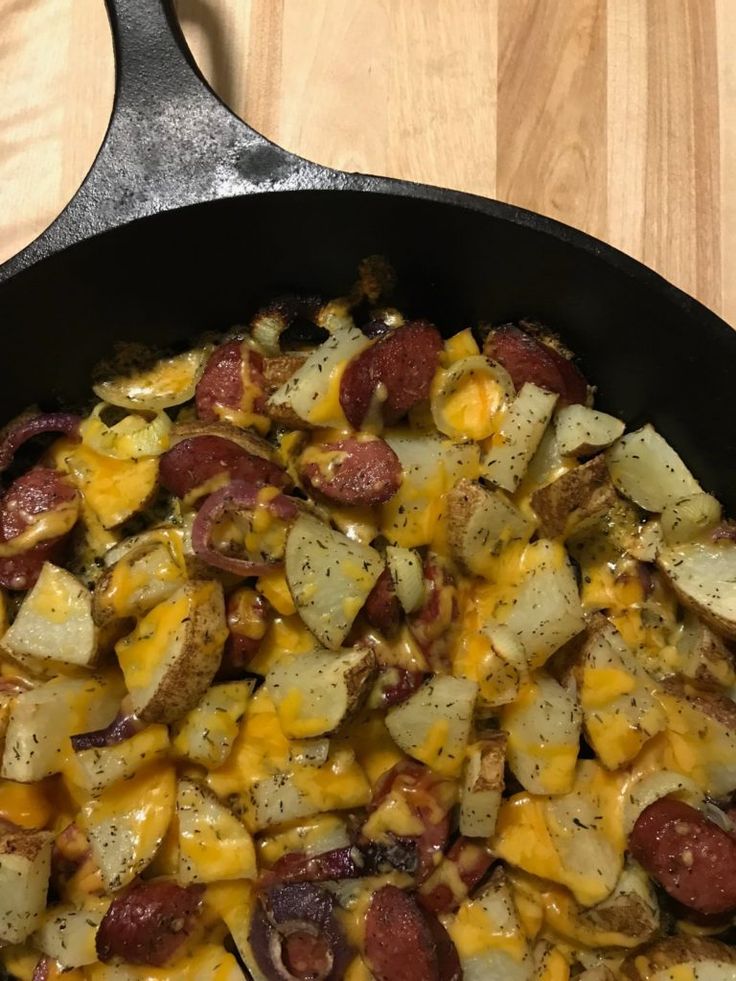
(330, 578)
(646, 469)
(126, 824)
(207, 732)
(543, 730)
(489, 937)
(480, 522)
(620, 711)
(703, 574)
(407, 573)
(323, 833)
(42, 720)
(521, 431)
(171, 657)
(581, 494)
(161, 384)
(703, 656)
(690, 518)
(542, 611)
(433, 724)
(581, 430)
(68, 932)
(143, 577)
(100, 766)
(483, 786)
(213, 844)
(314, 693)
(25, 866)
(54, 622)
(670, 958)
(312, 392)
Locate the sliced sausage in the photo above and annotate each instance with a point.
(432, 624)
(197, 459)
(448, 960)
(529, 360)
(399, 945)
(382, 609)
(149, 922)
(28, 498)
(396, 372)
(232, 383)
(340, 863)
(446, 888)
(249, 616)
(362, 470)
(690, 856)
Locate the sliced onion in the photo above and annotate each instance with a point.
(129, 439)
(28, 425)
(169, 381)
(237, 496)
(122, 727)
(475, 420)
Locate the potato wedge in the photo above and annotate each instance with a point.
(703, 656)
(480, 797)
(161, 384)
(703, 575)
(214, 845)
(322, 833)
(620, 711)
(700, 958)
(244, 438)
(171, 657)
(41, 721)
(312, 392)
(126, 824)
(25, 866)
(581, 430)
(68, 932)
(433, 724)
(690, 518)
(102, 765)
(582, 493)
(645, 468)
(207, 732)
(142, 578)
(54, 622)
(407, 572)
(521, 431)
(329, 577)
(543, 766)
(315, 693)
(480, 522)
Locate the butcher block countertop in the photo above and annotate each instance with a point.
(617, 116)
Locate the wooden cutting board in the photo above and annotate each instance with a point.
(618, 116)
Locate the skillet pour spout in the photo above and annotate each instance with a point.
(189, 219)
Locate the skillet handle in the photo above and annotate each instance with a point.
(170, 142)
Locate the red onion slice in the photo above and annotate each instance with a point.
(122, 727)
(25, 427)
(237, 495)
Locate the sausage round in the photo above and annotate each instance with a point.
(690, 856)
(528, 360)
(397, 371)
(222, 389)
(197, 459)
(352, 471)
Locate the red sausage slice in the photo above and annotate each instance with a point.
(197, 459)
(689, 855)
(149, 922)
(34, 494)
(352, 471)
(471, 861)
(399, 945)
(431, 625)
(382, 609)
(403, 363)
(340, 863)
(232, 381)
(528, 360)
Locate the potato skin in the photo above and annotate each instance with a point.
(584, 492)
(671, 951)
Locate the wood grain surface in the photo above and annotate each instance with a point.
(618, 116)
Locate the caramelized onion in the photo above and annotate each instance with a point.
(27, 426)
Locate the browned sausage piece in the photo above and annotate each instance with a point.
(27, 500)
(149, 922)
(443, 892)
(528, 360)
(231, 383)
(399, 945)
(382, 609)
(362, 470)
(689, 855)
(340, 863)
(431, 625)
(197, 459)
(397, 371)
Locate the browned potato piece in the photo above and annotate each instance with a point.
(25, 864)
(277, 371)
(484, 782)
(662, 958)
(581, 493)
(479, 522)
(705, 657)
(144, 577)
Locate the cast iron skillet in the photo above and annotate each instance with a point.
(188, 219)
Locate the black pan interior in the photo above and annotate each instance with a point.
(654, 354)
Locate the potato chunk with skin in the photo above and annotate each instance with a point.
(25, 866)
(585, 492)
(171, 657)
(703, 575)
(521, 431)
(207, 732)
(433, 724)
(480, 521)
(681, 957)
(54, 622)
(581, 430)
(141, 579)
(646, 469)
(543, 729)
(483, 786)
(314, 693)
(100, 766)
(213, 844)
